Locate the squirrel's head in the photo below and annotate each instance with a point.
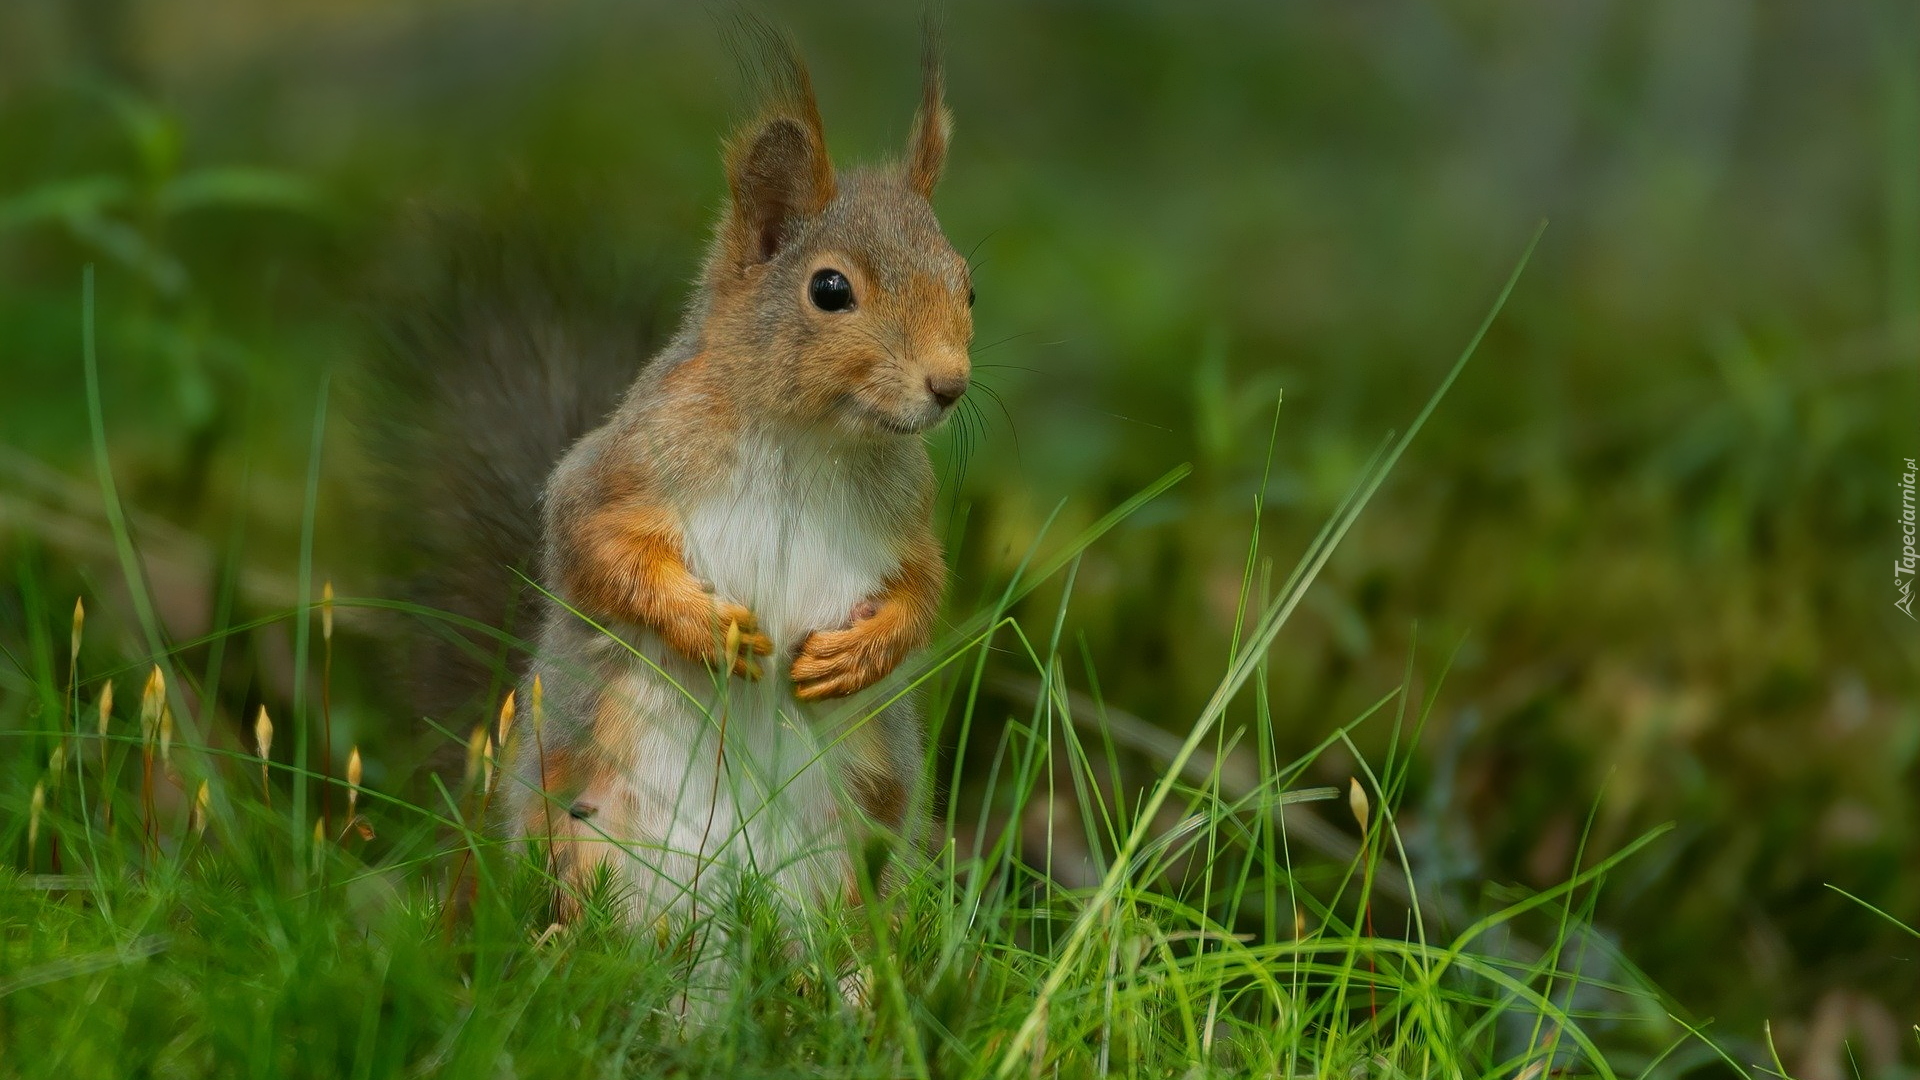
(837, 293)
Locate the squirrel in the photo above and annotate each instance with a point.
(733, 558)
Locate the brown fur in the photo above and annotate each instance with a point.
(623, 562)
(881, 796)
(613, 532)
(583, 815)
(757, 362)
(932, 124)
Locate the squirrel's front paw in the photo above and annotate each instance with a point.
(725, 634)
(835, 663)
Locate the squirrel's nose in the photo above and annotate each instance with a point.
(946, 389)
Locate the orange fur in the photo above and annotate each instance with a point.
(835, 663)
(628, 566)
(584, 815)
(762, 385)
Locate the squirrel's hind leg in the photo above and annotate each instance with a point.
(581, 818)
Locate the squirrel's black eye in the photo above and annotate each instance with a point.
(831, 291)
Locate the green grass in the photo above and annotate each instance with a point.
(1223, 916)
(1649, 529)
(234, 952)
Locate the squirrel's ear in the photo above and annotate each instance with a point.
(932, 123)
(777, 167)
(778, 172)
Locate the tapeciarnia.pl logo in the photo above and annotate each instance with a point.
(1903, 567)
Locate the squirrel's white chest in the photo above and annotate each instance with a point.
(793, 538)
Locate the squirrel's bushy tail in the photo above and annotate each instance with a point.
(500, 348)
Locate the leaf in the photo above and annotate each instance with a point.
(63, 201)
(126, 245)
(238, 187)
(152, 131)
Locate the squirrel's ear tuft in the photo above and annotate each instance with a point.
(778, 173)
(932, 123)
(777, 167)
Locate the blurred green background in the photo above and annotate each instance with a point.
(1656, 518)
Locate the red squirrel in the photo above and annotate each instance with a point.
(748, 539)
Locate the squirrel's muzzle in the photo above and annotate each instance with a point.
(946, 389)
